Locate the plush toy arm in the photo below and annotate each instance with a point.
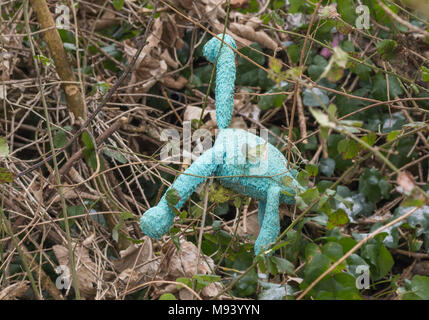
(157, 220)
(270, 223)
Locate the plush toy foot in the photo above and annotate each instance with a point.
(157, 221)
(263, 243)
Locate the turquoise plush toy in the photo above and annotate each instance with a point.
(259, 177)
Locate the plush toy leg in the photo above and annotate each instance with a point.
(157, 220)
(261, 212)
(270, 223)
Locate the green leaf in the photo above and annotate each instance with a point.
(379, 89)
(283, 265)
(373, 186)
(303, 178)
(378, 256)
(387, 49)
(167, 296)
(270, 101)
(44, 60)
(103, 87)
(219, 194)
(420, 286)
(277, 18)
(348, 148)
(318, 66)
(115, 154)
(346, 8)
(337, 218)
(60, 138)
(295, 6)
(247, 73)
(172, 196)
(307, 197)
(321, 118)
(340, 57)
(206, 278)
(393, 134)
(327, 166)
(90, 157)
(6, 176)
(425, 73)
(4, 148)
(369, 139)
(315, 97)
(311, 250)
(319, 264)
(87, 141)
(341, 286)
(333, 250)
(312, 170)
(118, 4)
(185, 281)
(275, 291)
(73, 211)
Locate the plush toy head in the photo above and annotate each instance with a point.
(225, 76)
(211, 48)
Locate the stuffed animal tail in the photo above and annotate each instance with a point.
(225, 77)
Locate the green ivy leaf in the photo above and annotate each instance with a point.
(271, 101)
(6, 176)
(425, 73)
(312, 170)
(373, 186)
(419, 287)
(337, 218)
(167, 296)
(348, 148)
(380, 259)
(319, 264)
(60, 138)
(283, 265)
(379, 88)
(172, 196)
(303, 178)
(393, 134)
(327, 166)
(387, 49)
(118, 4)
(315, 97)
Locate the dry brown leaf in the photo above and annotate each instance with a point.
(249, 33)
(187, 4)
(177, 84)
(87, 271)
(252, 226)
(405, 181)
(140, 258)
(108, 19)
(192, 112)
(239, 3)
(15, 290)
(85, 268)
(183, 263)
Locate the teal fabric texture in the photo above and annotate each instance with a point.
(241, 160)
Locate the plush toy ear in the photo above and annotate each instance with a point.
(211, 48)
